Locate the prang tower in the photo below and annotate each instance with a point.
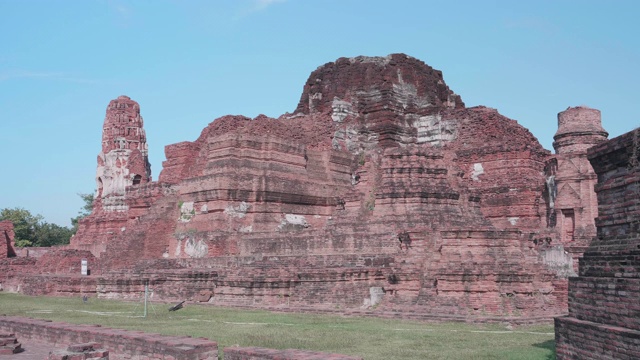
(573, 200)
(123, 160)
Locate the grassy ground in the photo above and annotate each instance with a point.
(367, 337)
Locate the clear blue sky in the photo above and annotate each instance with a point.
(189, 62)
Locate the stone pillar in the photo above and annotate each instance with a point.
(570, 178)
(123, 160)
(7, 241)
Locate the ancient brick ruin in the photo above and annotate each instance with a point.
(123, 162)
(9, 344)
(573, 203)
(604, 300)
(85, 351)
(95, 342)
(381, 193)
(7, 240)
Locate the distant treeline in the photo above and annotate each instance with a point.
(32, 230)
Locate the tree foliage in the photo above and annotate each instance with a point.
(86, 209)
(24, 225)
(48, 234)
(32, 230)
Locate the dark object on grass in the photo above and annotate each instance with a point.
(176, 306)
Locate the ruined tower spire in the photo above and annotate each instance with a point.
(579, 128)
(123, 160)
(575, 207)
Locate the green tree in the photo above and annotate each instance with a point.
(32, 230)
(51, 234)
(24, 225)
(86, 209)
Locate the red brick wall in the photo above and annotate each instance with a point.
(121, 344)
(7, 245)
(604, 301)
(127, 344)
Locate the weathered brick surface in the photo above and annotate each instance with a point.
(122, 162)
(66, 261)
(86, 351)
(9, 344)
(604, 301)
(382, 191)
(579, 339)
(121, 344)
(7, 244)
(570, 179)
(58, 285)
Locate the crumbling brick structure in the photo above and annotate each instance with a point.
(9, 344)
(7, 240)
(86, 351)
(117, 343)
(381, 191)
(122, 162)
(572, 203)
(604, 300)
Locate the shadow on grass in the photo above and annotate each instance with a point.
(549, 345)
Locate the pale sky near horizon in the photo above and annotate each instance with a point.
(190, 62)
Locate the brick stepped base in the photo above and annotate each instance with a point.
(605, 342)
(9, 345)
(491, 273)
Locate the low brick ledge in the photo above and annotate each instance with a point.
(89, 351)
(404, 315)
(585, 340)
(130, 344)
(121, 344)
(634, 334)
(257, 353)
(9, 345)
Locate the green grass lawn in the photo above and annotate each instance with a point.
(370, 338)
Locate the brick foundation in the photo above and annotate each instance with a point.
(88, 351)
(121, 344)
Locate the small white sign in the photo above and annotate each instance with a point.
(83, 267)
